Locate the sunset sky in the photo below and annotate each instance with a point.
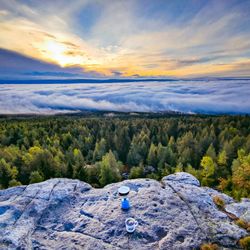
(87, 38)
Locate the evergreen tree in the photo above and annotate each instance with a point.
(134, 157)
(163, 156)
(179, 168)
(74, 147)
(152, 155)
(82, 174)
(189, 169)
(211, 152)
(36, 177)
(7, 173)
(122, 142)
(100, 150)
(222, 158)
(110, 169)
(137, 172)
(187, 151)
(223, 171)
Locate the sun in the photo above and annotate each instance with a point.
(56, 51)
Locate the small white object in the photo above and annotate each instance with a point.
(123, 190)
(131, 224)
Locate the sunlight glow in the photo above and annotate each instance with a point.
(55, 51)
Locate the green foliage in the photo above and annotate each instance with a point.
(187, 148)
(136, 172)
(189, 169)
(211, 152)
(179, 168)
(14, 183)
(222, 164)
(42, 160)
(76, 164)
(109, 169)
(241, 175)
(36, 177)
(138, 149)
(7, 173)
(208, 170)
(100, 150)
(222, 158)
(82, 174)
(93, 173)
(152, 155)
(165, 155)
(215, 149)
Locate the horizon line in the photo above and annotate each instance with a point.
(113, 80)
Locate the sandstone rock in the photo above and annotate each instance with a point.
(69, 214)
(227, 199)
(240, 210)
(182, 177)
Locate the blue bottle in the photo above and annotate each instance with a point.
(125, 204)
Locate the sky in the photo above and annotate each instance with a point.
(124, 38)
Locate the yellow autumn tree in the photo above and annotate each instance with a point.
(241, 175)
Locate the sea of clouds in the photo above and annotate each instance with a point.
(211, 96)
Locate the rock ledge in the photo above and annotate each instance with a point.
(69, 214)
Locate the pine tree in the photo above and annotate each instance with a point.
(100, 150)
(222, 172)
(222, 158)
(152, 155)
(211, 152)
(110, 169)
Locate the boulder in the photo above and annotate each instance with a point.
(175, 213)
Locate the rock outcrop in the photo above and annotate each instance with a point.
(175, 213)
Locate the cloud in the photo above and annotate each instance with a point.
(211, 96)
(15, 66)
(145, 38)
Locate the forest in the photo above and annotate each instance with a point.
(101, 150)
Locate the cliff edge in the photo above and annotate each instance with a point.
(175, 213)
